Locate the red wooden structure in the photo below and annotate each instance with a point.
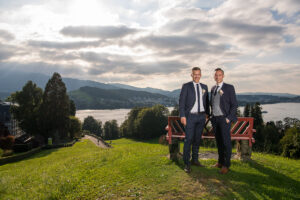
(240, 130)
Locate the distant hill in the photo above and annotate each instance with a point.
(14, 80)
(266, 99)
(97, 98)
(273, 94)
(147, 89)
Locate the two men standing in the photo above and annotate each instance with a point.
(194, 108)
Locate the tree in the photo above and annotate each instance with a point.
(238, 112)
(55, 109)
(72, 108)
(175, 111)
(256, 113)
(111, 130)
(151, 122)
(127, 128)
(27, 108)
(271, 138)
(75, 127)
(291, 122)
(92, 125)
(247, 110)
(290, 143)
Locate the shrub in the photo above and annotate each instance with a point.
(290, 143)
(6, 143)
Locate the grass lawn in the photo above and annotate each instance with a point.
(133, 170)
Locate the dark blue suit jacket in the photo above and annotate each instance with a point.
(228, 102)
(188, 97)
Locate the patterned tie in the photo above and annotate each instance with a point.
(198, 96)
(216, 90)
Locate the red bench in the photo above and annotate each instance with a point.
(242, 130)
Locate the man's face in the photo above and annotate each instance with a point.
(219, 76)
(196, 75)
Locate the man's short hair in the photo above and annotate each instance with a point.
(219, 69)
(196, 68)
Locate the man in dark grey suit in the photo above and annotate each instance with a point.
(194, 110)
(224, 106)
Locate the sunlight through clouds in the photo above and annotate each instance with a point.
(155, 43)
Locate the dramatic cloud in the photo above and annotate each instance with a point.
(63, 45)
(105, 63)
(155, 43)
(103, 32)
(6, 35)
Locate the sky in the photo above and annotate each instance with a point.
(155, 43)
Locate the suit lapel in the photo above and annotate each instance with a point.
(192, 88)
(221, 96)
(202, 88)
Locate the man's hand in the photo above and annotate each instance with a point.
(206, 118)
(183, 120)
(227, 121)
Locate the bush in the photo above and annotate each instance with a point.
(6, 143)
(290, 143)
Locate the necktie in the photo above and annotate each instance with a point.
(216, 90)
(198, 96)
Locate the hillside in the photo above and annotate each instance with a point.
(11, 81)
(97, 98)
(133, 170)
(266, 99)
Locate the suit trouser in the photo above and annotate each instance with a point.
(222, 134)
(193, 131)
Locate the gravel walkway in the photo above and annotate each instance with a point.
(95, 141)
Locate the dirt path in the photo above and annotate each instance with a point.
(95, 141)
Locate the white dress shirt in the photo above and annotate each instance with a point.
(195, 107)
(220, 86)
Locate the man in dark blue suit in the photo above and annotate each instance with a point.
(224, 107)
(194, 110)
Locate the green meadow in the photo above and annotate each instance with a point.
(141, 170)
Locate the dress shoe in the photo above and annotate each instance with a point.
(197, 163)
(187, 169)
(217, 165)
(224, 170)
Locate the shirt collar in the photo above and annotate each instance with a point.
(196, 83)
(220, 84)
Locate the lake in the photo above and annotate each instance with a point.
(275, 112)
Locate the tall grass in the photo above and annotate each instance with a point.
(136, 169)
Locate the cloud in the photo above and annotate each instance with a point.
(63, 45)
(6, 35)
(46, 68)
(259, 77)
(6, 51)
(104, 63)
(103, 32)
(155, 40)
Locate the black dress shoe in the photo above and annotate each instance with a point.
(187, 169)
(197, 163)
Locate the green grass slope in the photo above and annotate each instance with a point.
(141, 170)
